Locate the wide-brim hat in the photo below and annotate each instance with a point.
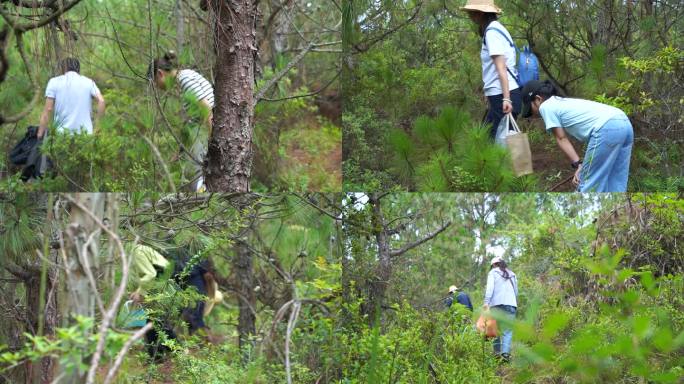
(487, 6)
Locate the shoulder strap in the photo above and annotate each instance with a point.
(502, 34)
(484, 40)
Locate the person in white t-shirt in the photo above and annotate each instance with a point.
(69, 99)
(498, 55)
(164, 72)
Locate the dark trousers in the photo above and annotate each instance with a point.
(495, 112)
(154, 347)
(194, 316)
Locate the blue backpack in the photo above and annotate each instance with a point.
(528, 64)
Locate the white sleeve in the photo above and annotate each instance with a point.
(94, 91)
(489, 292)
(51, 90)
(496, 43)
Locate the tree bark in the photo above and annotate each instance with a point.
(81, 246)
(243, 269)
(230, 152)
(383, 270)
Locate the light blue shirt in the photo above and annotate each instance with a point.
(73, 96)
(501, 291)
(579, 118)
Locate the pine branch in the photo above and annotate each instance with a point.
(408, 247)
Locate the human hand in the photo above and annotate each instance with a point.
(576, 179)
(136, 297)
(507, 107)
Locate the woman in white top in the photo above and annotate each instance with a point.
(164, 72)
(498, 55)
(501, 293)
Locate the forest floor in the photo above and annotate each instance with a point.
(549, 163)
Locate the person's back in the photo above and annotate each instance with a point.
(69, 101)
(464, 300)
(578, 117)
(73, 96)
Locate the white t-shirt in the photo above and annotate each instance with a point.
(73, 96)
(497, 45)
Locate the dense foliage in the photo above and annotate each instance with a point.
(600, 280)
(411, 59)
(138, 145)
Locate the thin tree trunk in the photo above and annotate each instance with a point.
(383, 271)
(112, 214)
(243, 269)
(230, 152)
(180, 27)
(81, 242)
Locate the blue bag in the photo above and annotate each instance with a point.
(132, 318)
(528, 64)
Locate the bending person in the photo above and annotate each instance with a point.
(165, 72)
(148, 265)
(462, 298)
(606, 130)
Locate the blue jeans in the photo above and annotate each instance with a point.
(503, 344)
(606, 163)
(495, 112)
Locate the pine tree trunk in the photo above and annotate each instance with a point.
(230, 152)
(43, 370)
(243, 269)
(383, 271)
(80, 299)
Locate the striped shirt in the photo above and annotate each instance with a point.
(196, 85)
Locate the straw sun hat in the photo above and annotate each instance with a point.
(481, 6)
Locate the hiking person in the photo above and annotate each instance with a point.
(462, 298)
(163, 72)
(147, 265)
(498, 56)
(500, 295)
(69, 98)
(606, 130)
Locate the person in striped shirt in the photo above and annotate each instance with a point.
(164, 71)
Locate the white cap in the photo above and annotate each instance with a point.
(453, 289)
(496, 260)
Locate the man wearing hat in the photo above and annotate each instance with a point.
(462, 298)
